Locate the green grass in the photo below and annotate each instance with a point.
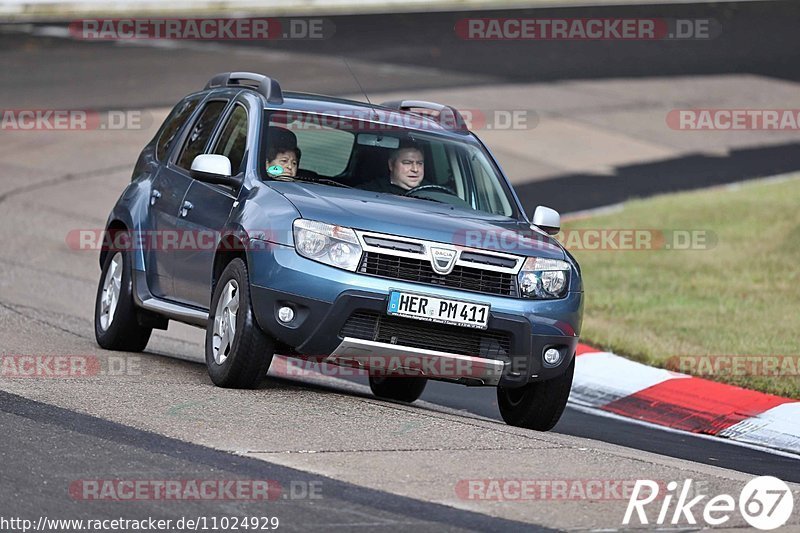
(740, 296)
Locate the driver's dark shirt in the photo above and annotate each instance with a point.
(384, 185)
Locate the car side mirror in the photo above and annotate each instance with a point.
(546, 219)
(214, 168)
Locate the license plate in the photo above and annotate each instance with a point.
(439, 310)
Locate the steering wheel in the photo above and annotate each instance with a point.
(430, 188)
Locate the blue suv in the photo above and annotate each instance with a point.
(383, 237)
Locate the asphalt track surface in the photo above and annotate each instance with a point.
(482, 401)
(43, 445)
(43, 437)
(652, 439)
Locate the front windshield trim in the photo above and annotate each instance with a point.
(511, 193)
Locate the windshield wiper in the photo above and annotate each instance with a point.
(429, 199)
(324, 181)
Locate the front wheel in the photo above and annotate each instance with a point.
(116, 321)
(537, 405)
(398, 388)
(238, 353)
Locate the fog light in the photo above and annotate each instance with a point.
(552, 356)
(285, 314)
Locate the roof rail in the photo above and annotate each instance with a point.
(449, 117)
(267, 87)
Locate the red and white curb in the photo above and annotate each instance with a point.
(613, 384)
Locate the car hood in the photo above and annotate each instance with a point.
(409, 217)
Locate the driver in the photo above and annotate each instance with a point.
(406, 170)
(406, 167)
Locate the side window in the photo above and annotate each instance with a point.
(201, 131)
(232, 143)
(172, 125)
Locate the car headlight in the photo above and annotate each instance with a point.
(544, 279)
(333, 245)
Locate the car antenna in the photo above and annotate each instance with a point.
(359, 86)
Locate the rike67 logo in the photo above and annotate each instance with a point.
(765, 503)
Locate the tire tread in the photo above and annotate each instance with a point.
(542, 405)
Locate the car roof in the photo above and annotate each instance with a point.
(447, 121)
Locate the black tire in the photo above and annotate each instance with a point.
(537, 405)
(124, 333)
(398, 388)
(249, 355)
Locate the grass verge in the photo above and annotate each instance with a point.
(727, 308)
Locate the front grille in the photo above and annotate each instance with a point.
(378, 327)
(394, 244)
(484, 259)
(420, 271)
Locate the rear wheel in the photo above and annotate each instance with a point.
(399, 388)
(116, 322)
(238, 353)
(537, 405)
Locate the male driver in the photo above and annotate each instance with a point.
(406, 171)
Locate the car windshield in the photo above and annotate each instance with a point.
(384, 158)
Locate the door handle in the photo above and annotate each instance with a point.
(154, 196)
(187, 206)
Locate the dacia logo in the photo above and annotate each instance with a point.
(443, 259)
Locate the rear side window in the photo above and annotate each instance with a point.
(201, 132)
(173, 125)
(232, 142)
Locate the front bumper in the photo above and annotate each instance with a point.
(325, 298)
